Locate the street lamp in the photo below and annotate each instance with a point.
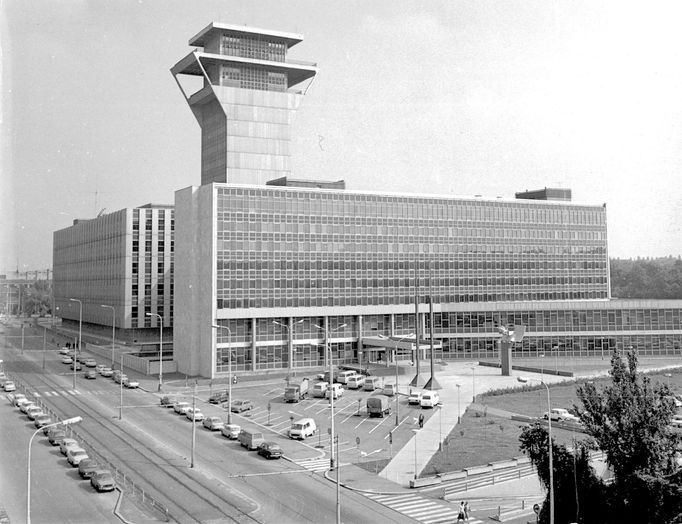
(229, 371)
(551, 466)
(113, 331)
(416, 432)
(77, 352)
(331, 404)
(397, 393)
(28, 465)
(290, 345)
(542, 367)
(160, 347)
(473, 383)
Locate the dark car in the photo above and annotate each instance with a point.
(55, 436)
(167, 402)
(87, 468)
(270, 450)
(103, 480)
(76, 366)
(241, 405)
(90, 374)
(219, 398)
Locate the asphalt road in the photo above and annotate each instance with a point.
(151, 447)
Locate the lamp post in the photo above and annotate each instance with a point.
(290, 345)
(542, 367)
(416, 432)
(549, 438)
(458, 415)
(473, 383)
(229, 371)
(160, 347)
(28, 466)
(331, 405)
(44, 344)
(76, 352)
(397, 393)
(440, 426)
(113, 331)
(120, 405)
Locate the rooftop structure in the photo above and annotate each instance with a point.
(246, 103)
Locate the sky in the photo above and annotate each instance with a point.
(445, 97)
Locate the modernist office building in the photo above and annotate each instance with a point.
(288, 268)
(123, 260)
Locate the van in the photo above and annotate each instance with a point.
(372, 383)
(303, 428)
(250, 439)
(429, 399)
(319, 389)
(355, 381)
(343, 376)
(335, 389)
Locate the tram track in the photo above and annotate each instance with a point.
(123, 446)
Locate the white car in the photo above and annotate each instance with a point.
(10, 386)
(66, 359)
(561, 415)
(334, 389)
(181, 407)
(194, 414)
(415, 397)
(130, 383)
(231, 431)
(75, 454)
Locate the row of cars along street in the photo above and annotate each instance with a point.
(101, 478)
(252, 440)
(93, 369)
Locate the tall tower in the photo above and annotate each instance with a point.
(247, 101)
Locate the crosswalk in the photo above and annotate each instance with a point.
(420, 508)
(314, 464)
(67, 392)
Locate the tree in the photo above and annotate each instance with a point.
(578, 492)
(36, 298)
(630, 421)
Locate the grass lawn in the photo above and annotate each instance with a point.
(479, 439)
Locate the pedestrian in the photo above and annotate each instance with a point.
(460, 514)
(421, 420)
(467, 511)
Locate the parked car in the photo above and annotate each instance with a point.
(303, 428)
(87, 468)
(389, 390)
(213, 423)
(15, 398)
(42, 420)
(120, 378)
(561, 415)
(239, 406)
(429, 399)
(99, 368)
(131, 383)
(74, 455)
(372, 383)
(355, 381)
(166, 402)
(270, 450)
(415, 398)
(90, 374)
(25, 404)
(231, 431)
(334, 389)
(76, 366)
(107, 372)
(103, 480)
(10, 386)
(55, 436)
(66, 359)
(181, 407)
(67, 443)
(90, 363)
(194, 414)
(64, 351)
(219, 398)
(33, 412)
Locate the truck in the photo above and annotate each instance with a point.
(250, 439)
(296, 391)
(378, 406)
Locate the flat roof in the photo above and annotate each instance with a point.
(207, 32)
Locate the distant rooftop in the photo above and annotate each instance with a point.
(292, 182)
(547, 193)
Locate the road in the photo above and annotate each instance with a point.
(151, 447)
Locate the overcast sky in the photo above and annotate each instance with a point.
(448, 97)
